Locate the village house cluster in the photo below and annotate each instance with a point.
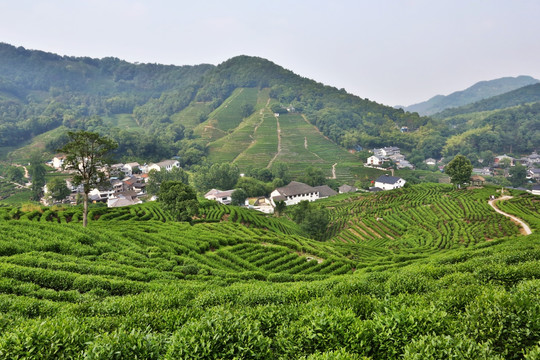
(385, 155)
(296, 191)
(127, 182)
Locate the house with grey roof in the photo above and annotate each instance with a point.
(224, 197)
(325, 191)
(386, 182)
(293, 193)
(165, 164)
(346, 189)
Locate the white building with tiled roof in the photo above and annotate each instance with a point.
(386, 182)
(293, 193)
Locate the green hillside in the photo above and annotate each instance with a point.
(238, 284)
(156, 111)
(477, 92)
(524, 95)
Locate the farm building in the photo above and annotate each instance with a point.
(386, 182)
(293, 193)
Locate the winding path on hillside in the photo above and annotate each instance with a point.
(278, 144)
(525, 229)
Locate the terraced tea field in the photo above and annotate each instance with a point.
(427, 216)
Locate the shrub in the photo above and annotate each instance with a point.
(125, 344)
(60, 338)
(509, 321)
(447, 347)
(220, 334)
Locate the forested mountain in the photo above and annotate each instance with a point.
(507, 123)
(477, 92)
(525, 95)
(156, 111)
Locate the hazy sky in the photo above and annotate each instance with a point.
(390, 51)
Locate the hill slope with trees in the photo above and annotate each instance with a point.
(477, 92)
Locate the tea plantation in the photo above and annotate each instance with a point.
(419, 273)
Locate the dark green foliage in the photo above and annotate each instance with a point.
(178, 199)
(518, 174)
(312, 219)
(238, 197)
(156, 178)
(218, 176)
(58, 189)
(15, 174)
(459, 169)
(37, 173)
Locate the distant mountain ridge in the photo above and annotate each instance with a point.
(479, 91)
(521, 96)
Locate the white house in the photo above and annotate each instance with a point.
(482, 171)
(386, 182)
(165, 164)
(129, 167)
(293, 193)
(124, 198)
(386, 151)
(261, 204)
(58, 161)
(533, 173)
(430, 161)
(101, 195)
(402, 164)
(375, 160)
(224, 197)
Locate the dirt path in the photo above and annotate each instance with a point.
(334, 171)
(525, 229)
(278, 144)
(26, 175)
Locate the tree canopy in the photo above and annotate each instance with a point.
(179, 199)
(86, 155)
(459, 170)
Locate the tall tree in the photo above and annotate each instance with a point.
(518, 175)
(459, 169)
(58, 189)
(15, 174)
(218, 176)
(86, 154)
(156, 178)
(37, 173)
(178, 199)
